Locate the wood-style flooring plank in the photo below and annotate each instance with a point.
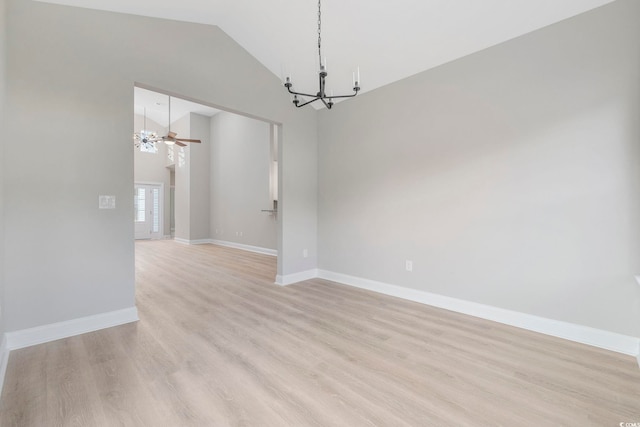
(23, 400)
(218, 344)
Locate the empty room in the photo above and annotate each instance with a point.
(418, 213)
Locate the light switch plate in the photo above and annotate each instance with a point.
(106, 202)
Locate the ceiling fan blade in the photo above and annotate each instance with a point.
(189, 140)
(171, 135)
(180, 143)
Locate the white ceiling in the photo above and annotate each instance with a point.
(156, 107)
(388, 40)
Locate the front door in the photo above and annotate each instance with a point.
(147, 211)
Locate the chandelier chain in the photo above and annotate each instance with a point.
(319, 30)
(321, 95)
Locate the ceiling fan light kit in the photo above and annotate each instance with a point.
(148, 139)
(327, 100)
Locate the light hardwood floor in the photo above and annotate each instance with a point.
(219, 345)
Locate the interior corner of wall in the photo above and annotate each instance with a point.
(4, 360)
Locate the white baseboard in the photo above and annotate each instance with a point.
(69, 328)
(290, 279)
(249, 248)
(199, 241)
(4, 360)
(192, 242)
(256, 249)
(583, 334)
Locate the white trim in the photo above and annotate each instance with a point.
(192, 242)
(290, 279)
(4, 360)
(69, 328)
(256, 249)
(199, 242)
(249, 248)
(583, 334)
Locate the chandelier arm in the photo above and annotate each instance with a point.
(308, 102)
(355, 92)
(344, 96)
(326, 104)
(300, 93)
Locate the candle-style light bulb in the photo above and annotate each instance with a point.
(356, 80)
(323, 64)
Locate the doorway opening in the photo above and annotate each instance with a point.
(222, 190)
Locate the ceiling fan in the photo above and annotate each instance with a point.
(171, 137)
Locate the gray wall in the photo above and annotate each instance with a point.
(509, 177)
(200, 167)
(240, 157)
(182, 193)
(152, 167)
(192, 178)
(3, 43)
(70, 77)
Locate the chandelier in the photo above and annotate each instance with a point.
(145, 138)
(327, 100)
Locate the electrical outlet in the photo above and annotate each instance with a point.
(638, 279)
(408, 265)
(305, 253)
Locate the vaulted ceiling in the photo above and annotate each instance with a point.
(387, 40)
